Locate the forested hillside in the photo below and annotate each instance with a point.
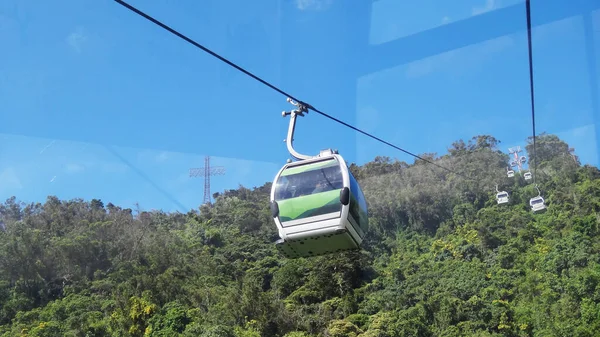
(441, 259)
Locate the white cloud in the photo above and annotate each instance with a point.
(313, 4)
(112, 167)
(74, 168)
(181, 180)
(150, 155)
(161, 157)
(76, 39)
(9, 180)
(489, 5)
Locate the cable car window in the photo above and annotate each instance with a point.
(357, 193)
(358, 204)
(310, 179)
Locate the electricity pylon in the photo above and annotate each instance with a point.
(518, 161)
(206, 172)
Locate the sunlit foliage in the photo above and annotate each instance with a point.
(441, 259)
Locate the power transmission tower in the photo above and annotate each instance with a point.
(518, 161)
(206, 172)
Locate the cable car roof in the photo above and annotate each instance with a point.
(299, 167)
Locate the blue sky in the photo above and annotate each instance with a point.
(96, 102)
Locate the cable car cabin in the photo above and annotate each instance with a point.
(502, 197)
(523, 159)
(513, 163)
(318, 208)
(537, 204)
(527, 175)
(510, 173)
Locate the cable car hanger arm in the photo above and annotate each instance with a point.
(302, 108)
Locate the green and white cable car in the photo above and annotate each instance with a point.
(316, 203)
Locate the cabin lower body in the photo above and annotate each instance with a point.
(319, 235)
(538, 208)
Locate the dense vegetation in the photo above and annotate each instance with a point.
(441, 259)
